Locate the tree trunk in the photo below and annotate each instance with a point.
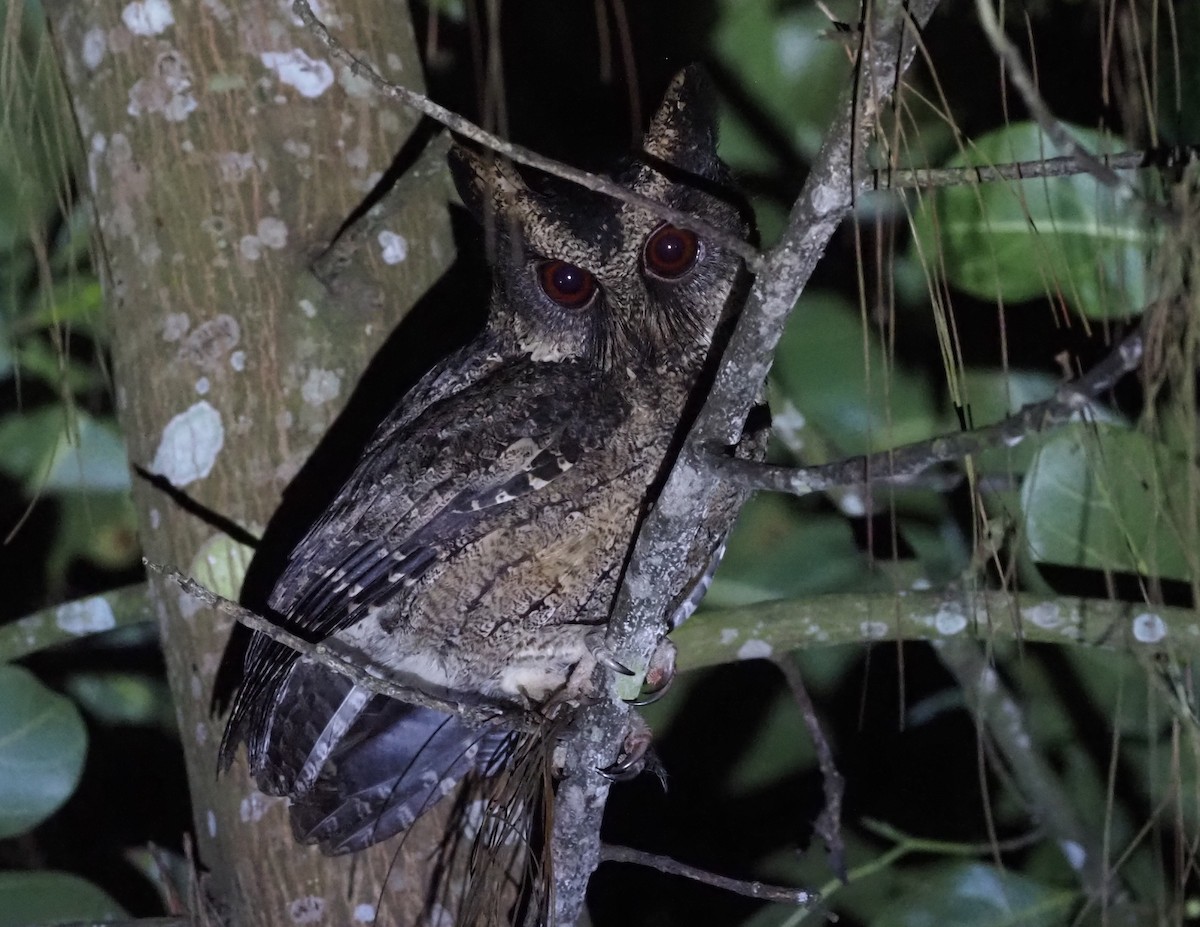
(224, 153)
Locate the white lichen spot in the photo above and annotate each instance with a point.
(394, 61)
(253, 807)
(310, 76)
(921, 583)
(949, 620)
(320, 386)
(211, 818)
(201, 733)
(237, 360)
(168, 91)
(728, 636)
(364, 913)
(250, 247)
(1075, 854)
(357, 158)
(87, 616)
(272, 232)
(307, 307)
(284, 420)
(1044, 615)
(873, 630)
(235, 166)
(175, 326)
(95, 44)
(297, 149)
(190, 444)
(394, 246)
(197, 687)
(1149, 628)
(354, 85)
(147, 17)
(754, 649)
(307, 910)
(852, 504)
(189, 605)
(155, 518)
(202, 386)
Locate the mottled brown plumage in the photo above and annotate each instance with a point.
(483, 535)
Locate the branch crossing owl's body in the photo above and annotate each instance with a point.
(483, 536)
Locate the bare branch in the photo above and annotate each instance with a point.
(326, 653)
(60, 624)
(467, 129)
(900, 466)
(669, 538)
(828, 825)
(891, 178)
(998, 712)
(761, 890)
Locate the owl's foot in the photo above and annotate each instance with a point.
(635, 753)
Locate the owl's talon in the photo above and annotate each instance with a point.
(659, 674)
(604, 656)
(635, 755)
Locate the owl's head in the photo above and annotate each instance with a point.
(581, 275)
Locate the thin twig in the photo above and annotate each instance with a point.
(900, 466)
(1058, 133)
(1004, 720)
(326, 653)
(889, 178)
(464, 127)
(778, 893)
(828, 825)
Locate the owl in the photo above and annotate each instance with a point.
(477, 549)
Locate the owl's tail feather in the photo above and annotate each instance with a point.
(393, 764)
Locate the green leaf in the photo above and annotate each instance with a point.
(844, 383)
(791, 73)
(42, 746)
(1060, 237)
(50, 453)
(124, 698)
(1108, 499)
(47, 897)
(976, 895)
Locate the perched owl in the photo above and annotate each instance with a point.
(481, 541)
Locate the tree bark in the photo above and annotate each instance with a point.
(225, 152)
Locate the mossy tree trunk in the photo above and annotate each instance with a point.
(224, 153)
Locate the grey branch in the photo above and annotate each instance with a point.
(888, 178)
(327, 655)
(664, 543)
(60, 624)
(778, 893)
(998, 713)
(901, 466)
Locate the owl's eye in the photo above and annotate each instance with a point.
(569, 286)
(670, 252)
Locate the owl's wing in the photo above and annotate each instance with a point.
(438, 475)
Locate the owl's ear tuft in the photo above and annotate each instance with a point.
(683, 132)
(488, 184)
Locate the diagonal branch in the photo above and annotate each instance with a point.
(899, 466)
(659, 565)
